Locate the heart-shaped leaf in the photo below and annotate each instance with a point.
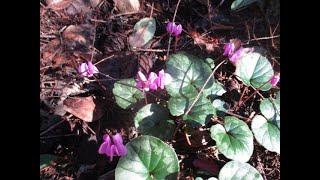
(46, 159)
(234, 140)
(270, 108)
(255, 70)
(238, 4)
(148, 158)
(153, 119)
(125, 93)
(186, 70)
(266, 133)
(215, 90)
(143, 32)
(239, 170)
(200, 112)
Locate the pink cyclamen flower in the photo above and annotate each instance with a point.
(87, 69)
(163, 79)
(231, 47)
(174, 29)
(239, 54)
(113, 147)
(274, 80)
(147, 84)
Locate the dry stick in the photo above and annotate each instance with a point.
(103, 59)
(205, 84)
(236, 115)
(52, 127)
(174, 17)
(263, 38)
(256, 91)
(150, 50)
(56, 136)
(187, 138)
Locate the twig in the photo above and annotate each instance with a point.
(124, 14)
(150, 50)
(103, 59)
(52, 127)
(56, 136)
(236, 115)
(205, 84)
(263, 38)
(187, 138)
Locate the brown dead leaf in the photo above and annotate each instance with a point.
(86, 108)
(58, 4)
(145, 63)
(78, 37)
(50, 51)
(126, 6)
(208, 42)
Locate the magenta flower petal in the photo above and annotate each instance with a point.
(152, 81)
(178, 30)
(141, 76)
(170, 27)
(239, 54)
(118, 142)
(105, 145)
(111, 152)
(142, 82)
(274, 80)
(88, 69)
(174, 29)
(228, 49)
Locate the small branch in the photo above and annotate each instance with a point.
(52, 127)
(263, 38)
(236, 115)
(150, 50)
(103, 59)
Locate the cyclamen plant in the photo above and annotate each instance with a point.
(195, 98)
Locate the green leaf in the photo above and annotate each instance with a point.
(270, 108)
(125, 93)
(238, 4)
(186, 70)
(148, 158)
(143, 32)
(239, 170)
(200, 112)
(266, 133)
(234, 140)
(46, 159)
(255, 70)
(220, 105)
(153, 119)
(215, 90)
(210, 62)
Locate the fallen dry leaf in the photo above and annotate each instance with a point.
(85, 108)
(58, 4)
(126, 6)
(78, 37)
(209, 43)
